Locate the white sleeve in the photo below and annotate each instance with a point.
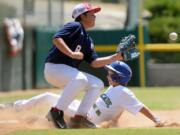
(129, 102)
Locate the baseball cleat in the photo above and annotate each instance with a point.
(57, 117)
(81, 122)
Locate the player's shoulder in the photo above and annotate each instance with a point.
(126, 91)
(74, 25)
(121, 89)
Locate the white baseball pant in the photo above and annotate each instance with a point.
(46, 98)
(73, 81)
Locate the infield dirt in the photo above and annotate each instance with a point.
(11, 120)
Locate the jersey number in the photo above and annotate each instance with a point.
(78, 48)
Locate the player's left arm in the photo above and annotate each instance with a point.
(101, 62)
(148, 113)
(125, 51)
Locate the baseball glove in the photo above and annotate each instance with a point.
(127, 48)
(130, 54)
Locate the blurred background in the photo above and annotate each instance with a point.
(151, 21)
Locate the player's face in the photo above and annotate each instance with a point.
(89, 19)
(111, 82)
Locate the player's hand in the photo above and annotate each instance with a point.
(77, 55)
(159, 122)
(162, 124)
(119, 56)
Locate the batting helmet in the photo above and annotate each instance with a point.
(122, 72)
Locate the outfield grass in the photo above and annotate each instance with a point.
(159, 98)
(99, 132)
(15, 95)
(156, 98)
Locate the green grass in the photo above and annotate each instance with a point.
(15, 95)
(99, 132)
(156, 98)
(19, 94)
(159, 98)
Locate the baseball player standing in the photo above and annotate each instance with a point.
(71, 46)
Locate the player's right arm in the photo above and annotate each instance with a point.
(62, 46)
(64, 36)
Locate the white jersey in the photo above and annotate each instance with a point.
(113, 102)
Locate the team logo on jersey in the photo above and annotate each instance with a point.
(106, 100)
(82, 34)
(92, 46)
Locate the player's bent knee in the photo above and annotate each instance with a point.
(98, 84)
(101, 84)
(82, 78)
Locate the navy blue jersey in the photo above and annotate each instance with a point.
(75, 36)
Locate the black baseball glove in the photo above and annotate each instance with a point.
(127, 48)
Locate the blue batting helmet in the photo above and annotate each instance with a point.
(122, 72)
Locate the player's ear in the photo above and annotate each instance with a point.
(83, 15)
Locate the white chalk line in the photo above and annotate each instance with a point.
(9, 121)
